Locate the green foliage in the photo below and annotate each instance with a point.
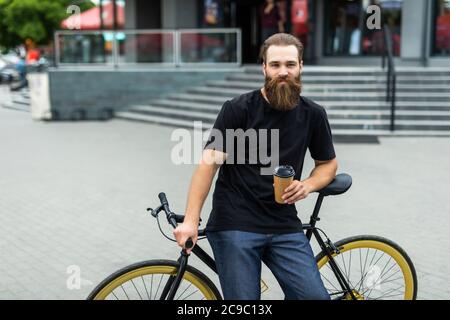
(33, 19)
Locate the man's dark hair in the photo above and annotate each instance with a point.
(280, 39)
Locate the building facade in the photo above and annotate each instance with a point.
(333, 32)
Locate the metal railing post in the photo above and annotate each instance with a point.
(391, 74)
(394, 78)
(177, 49)
(56, 55)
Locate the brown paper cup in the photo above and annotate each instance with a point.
(282, 178)
(280, 184)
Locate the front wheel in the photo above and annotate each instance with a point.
(375, 268)
(146, 280)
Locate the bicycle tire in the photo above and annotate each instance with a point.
(105, 290)
(357, 244)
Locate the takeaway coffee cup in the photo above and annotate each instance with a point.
(282, 178)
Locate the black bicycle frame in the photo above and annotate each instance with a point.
(312, 230)
(174, 281)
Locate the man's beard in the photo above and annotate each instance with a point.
(283, 96)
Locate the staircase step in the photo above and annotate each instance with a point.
(18, 107)
(360, 119)
(185, 105)
(322, 99)
(334, 87)
(336, 130)
(406, 96)
(368, 79)
(354, 98)
(325, 70)
(153, 119)
(332, 114)
(422, 108)
(174, 113)
(24, 102)
(386, 127)
(386, 115)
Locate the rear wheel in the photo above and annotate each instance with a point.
(376, 269)
(146, 280)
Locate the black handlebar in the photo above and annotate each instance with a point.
(171, 217)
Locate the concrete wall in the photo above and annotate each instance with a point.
(93, 90)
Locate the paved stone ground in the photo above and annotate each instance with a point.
(73, 198)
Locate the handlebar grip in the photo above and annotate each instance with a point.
(162, 198)
(173, 222)
(189, 243)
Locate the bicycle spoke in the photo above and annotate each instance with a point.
(365, 274)
(377, 273)
(360, 266)
(350, 265)
(150, 281)
(379, 276)
(343, 262)
(156, 293)
(145, 288)
(345, 268)
(329, 281)
(343, 273)
(136, 289)
(364, 269)
(124, 292)
(398, 270)
(348, 280)
(151, 288)
(179, 296)
(386, 295)
(385, 281)
(190, 294)
(392, 282)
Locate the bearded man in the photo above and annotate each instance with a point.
(247, 226)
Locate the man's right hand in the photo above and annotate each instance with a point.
(183, 232)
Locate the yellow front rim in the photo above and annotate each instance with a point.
(389, 250)
(155, 270)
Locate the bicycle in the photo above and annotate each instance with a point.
(390, 274)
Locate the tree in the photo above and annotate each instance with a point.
(33, 19)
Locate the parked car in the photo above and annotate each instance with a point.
(8, 71)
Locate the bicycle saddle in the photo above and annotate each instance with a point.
(341, 183)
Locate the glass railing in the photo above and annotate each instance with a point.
(92, 48)
(171, 48)
(209, 46)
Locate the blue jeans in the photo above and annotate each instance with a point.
(239, 254)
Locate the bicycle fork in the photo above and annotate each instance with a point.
(174, 281)
(329, 248)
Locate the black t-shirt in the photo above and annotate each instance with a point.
(244, 198)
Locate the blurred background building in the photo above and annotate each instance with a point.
(176, 61)
(333, 32)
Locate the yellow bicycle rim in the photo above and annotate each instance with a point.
(149, 270)
(378, 245)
